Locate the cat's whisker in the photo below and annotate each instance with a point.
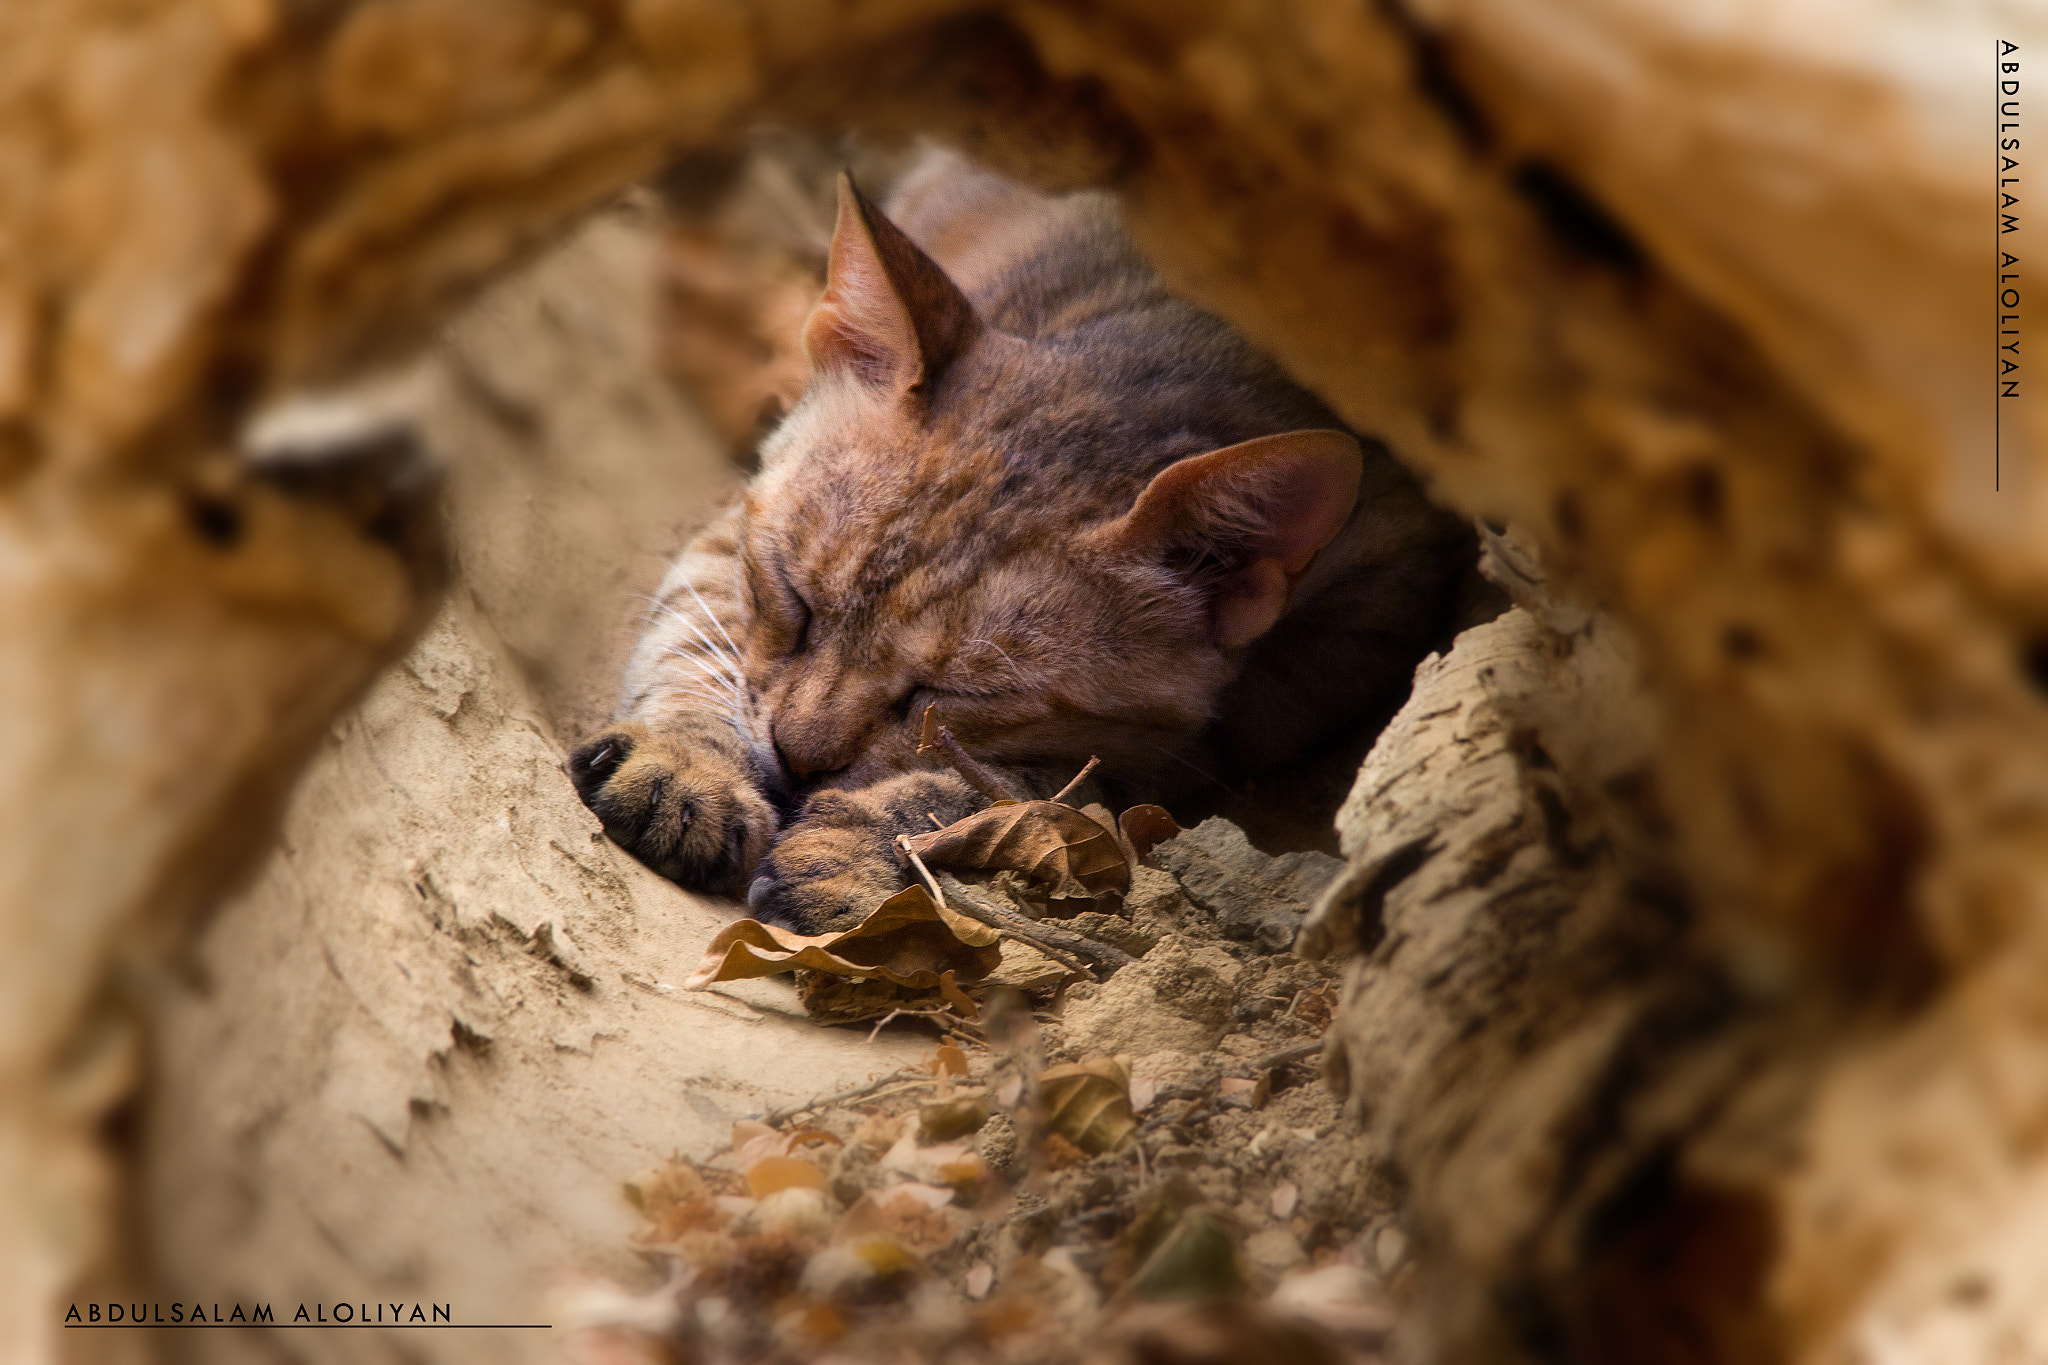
(708, 692)
(709, 643)
(716, 705)
(709, 670)
(726, 667)
(1015, 667)
(711, 662)
(701, 606)
(706, 673)
(1202, 773)
(727, 656)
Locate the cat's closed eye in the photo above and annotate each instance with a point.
(782, 611)
(802, 641)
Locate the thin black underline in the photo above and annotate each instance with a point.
(345, 1326)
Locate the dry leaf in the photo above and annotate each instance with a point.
(833, 999)
(909, 941)
(923, 1164)
(675, 1184)
(1245, 1091)
(1056, 845)
(1060, 1154)
(950, 1119)
(917, 1219)
(949, 1060)
(963, 1177)
(1144, 826)
(812, 1137)
(1195, 1261)
(1089, 1104)
(774, 1173)
(752, 1140)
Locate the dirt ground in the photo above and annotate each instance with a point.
(440, 1051)
(417, 1058)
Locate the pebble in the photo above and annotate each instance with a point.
(1389, 1249)
(1274, 1251)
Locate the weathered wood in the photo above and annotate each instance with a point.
(1686, 311)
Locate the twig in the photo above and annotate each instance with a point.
(903, 847)
(1100, 959)
(898, 1012)
(1201, 1087)
(1300, 1052)
(984, 780)
(1079, 778)
(776, 1117)
(989, 914)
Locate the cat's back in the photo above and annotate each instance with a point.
(1120, 377)
(1033, 265)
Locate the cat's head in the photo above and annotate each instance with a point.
(1029, 534)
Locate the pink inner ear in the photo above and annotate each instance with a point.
(1248, 604)
(889, 316)
(1271, 503)
(860, 325)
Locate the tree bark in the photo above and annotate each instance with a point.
(1682, 302)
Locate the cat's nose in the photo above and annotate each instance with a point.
(804, 762)
(782, 760)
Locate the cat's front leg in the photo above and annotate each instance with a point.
(685, 799)
(838, 860)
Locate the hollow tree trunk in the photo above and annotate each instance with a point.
(1683, 301)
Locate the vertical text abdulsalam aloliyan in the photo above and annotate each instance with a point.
(2006, 78)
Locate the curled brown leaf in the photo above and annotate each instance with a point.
(1055, 845)
(1089, 1104)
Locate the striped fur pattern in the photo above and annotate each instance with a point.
(1031, 488)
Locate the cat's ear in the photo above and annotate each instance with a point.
(1245, 521)
(889, 317)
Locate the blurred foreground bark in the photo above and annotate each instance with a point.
(1689, 302)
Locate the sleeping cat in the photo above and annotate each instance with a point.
(1031, 488)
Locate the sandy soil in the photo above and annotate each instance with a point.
(415, 1061)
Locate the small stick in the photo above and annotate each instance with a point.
(950, 1024)
(903, 847)
(984, 780)
(1097, 959)
(897, 1013)
(1300, 1052)
(1079, 777)
(989, 914)
(776, 1117)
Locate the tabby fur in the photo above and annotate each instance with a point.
(1031, 488)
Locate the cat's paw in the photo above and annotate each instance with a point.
(832, 867)
(838, 860)
(685, 801)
